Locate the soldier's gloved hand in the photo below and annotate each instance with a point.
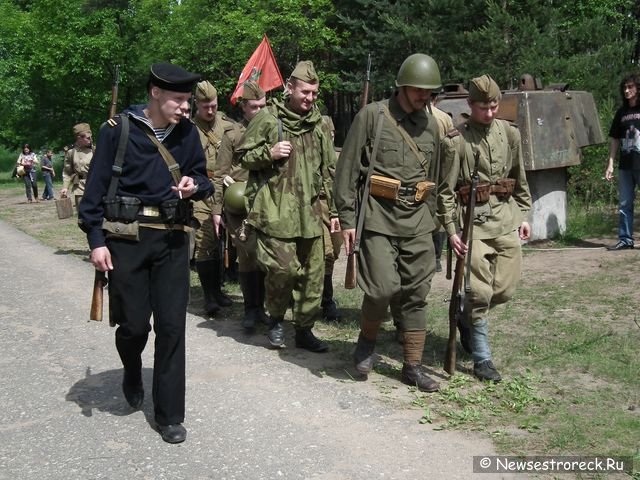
(281, 150)
(458, 246)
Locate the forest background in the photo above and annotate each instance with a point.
(58, 57)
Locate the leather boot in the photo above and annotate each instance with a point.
(206, 274)
(220, 297)
(363, 355)
(486, 371)
(248, 284)
(307, 340)
(412, 373)
(330, 310)
(276, 332)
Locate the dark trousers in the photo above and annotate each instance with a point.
(152, 277)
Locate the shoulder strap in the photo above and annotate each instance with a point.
(407, 138)
(367, 181)
(280, 134)
(116, 169)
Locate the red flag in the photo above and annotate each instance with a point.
(260, 68)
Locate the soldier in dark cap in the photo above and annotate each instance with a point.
(211, 127)
(230, 182)
(396, 261)
(289, 157)
(500, 213)
(136, 212)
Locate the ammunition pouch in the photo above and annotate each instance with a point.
(121, 209)
(392, 189)
(177, 211)
(423, 190)
(121, 230)
(384, 187)
(503, 189)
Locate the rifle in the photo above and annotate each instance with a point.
(226, 248)
(365, 89)
(351, 272)
(458, 305)
(114, 93)
(100, 278)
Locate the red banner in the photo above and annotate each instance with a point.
(261, 68)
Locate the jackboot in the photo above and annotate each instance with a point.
(307, 340)
(330, 311)
(248, 284)
(363, 355)
(276, 332)
(206, 273)
(412, 373)
(220, 297)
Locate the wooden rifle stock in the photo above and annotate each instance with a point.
(351, 275)
(99, 282)
(457, 307)
(226, 248)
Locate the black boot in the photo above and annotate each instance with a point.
(413, 375)
(486, 371)
(330, 310)
(250, 294)
(363, 355)
(276, 332)
(307, 340)
(220, 297)
(206, 273)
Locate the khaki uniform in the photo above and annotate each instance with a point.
(496, 258)
(211, 134)
(74, 172)
(284, 207)
(396, 261)
(227, 165)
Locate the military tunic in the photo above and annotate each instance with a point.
(496, 254)
(229, 165)
(284, 206)
(396, 261)
(211, 134)
(75, 170)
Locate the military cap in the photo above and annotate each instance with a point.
(81, 128)
(205, 92)
(484, 89)
(172, 77)
(251, 91)
(304, 71)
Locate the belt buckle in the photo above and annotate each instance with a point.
(150, 211)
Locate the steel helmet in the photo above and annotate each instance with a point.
(234, 198)
(420, 71)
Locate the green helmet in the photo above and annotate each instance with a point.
(234, 198)
(420, 71)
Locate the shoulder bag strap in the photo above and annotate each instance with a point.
(116, 169)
